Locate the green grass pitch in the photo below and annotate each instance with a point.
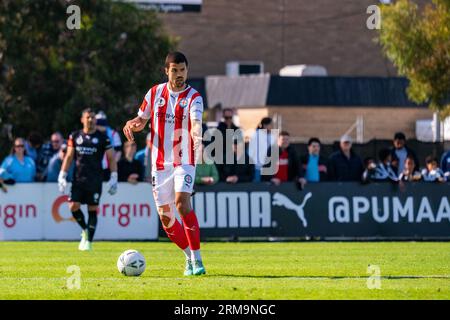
(300, 270)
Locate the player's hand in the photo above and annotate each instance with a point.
(134, 125)
(62, 181)
(112, 183)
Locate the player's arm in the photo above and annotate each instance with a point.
(138, 124)
(112, 183)
(195, 115)
(62, 178)
(196, 133)
(68, 159)
(111, 160)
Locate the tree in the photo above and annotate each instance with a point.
(418, 44)
(49, 73)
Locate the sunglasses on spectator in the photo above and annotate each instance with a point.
(228, 117)
(19, 146)
(56, 141)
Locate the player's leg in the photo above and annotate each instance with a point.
(92, 200)
(184, 178)
(92, 226)
(163, 193)
(75, 199)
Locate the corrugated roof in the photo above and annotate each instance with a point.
(339, 91)
(241, 91)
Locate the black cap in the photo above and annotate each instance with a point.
(399, 136)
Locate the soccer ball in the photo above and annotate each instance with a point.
(131, 263)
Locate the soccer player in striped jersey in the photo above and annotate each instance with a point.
(174, 112)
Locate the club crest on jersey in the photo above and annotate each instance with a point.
(161, 101)
(183, 103)
(79, 140)
(94, 140)
(188, 179)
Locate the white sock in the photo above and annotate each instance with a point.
(187, 252)
(195, 255)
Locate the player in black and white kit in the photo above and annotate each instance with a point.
(87, 147)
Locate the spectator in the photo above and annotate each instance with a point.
(55, 163)
(259, 143)
(241, 170)
(345, 164)
(46, 152)
(432, 172)
(206, 171)
(409, 170)
(227, 123)
(288, 166)
(33, 145)
(114, 137)
(400, 152)
(144, 157)
(128, 168)
(314, 166)
(18, 167)
(445, 164)
(369, 169)
(383, 170)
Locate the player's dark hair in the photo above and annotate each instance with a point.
(175, 57)
(284, 134)
(312, 140)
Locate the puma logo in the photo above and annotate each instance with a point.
(283, 201)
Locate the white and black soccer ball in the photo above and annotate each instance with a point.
(131, 263)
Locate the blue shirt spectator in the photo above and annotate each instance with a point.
(55, 163)
(33, 145)
(18, 166)
(312, 169)
(46, 152)
(314, 166)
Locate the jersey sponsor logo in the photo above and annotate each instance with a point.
(183, 103)
(169, 116)
(86, 150)
(79, 140)
(161, 102)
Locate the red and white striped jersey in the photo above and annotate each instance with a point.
(171, 115)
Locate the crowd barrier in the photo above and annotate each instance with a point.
(326, 210)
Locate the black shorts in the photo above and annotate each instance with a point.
(86, 194)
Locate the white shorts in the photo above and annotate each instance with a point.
(166, 182)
